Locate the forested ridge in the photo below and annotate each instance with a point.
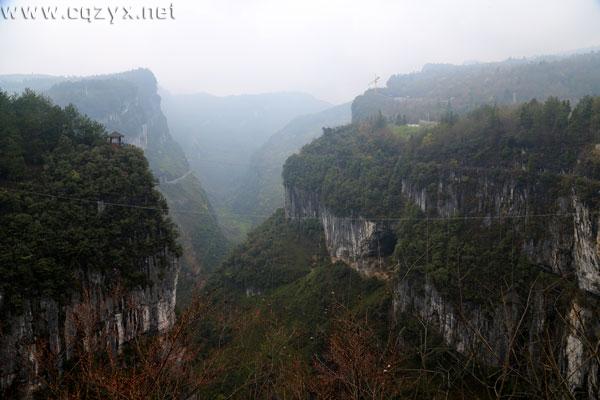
(358, 168)
(276, 302)
(71, 202)
(547, 149)
(129, 103)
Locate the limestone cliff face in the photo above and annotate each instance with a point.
(128, 102)
(570, 243)
(569, 246)
(360, 243)
(586, 256)
(99, 315)
(487, 334)
(460, 326)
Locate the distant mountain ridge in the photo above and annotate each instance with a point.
(17, 83)
(127, 102)
(440, 88)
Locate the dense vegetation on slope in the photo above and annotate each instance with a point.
(359, 168)
(430, 93)
(128, 103)
(274, 254)
(261, 191)
(546, 148)
(286, 323)
(55, 168)
(284, 312)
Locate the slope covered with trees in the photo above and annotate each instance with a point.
(128, 102)
(279, 302)
(71, 202)
(478, 208)
(359, 168)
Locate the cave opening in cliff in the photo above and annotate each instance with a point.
(384, 244)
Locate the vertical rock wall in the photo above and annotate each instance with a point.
(101, 314)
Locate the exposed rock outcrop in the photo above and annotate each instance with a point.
(360, 243)
(99, 315)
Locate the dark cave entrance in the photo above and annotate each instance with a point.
(383, 244)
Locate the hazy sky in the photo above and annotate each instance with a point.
(330, 48)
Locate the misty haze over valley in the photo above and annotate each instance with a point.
(300, 200)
